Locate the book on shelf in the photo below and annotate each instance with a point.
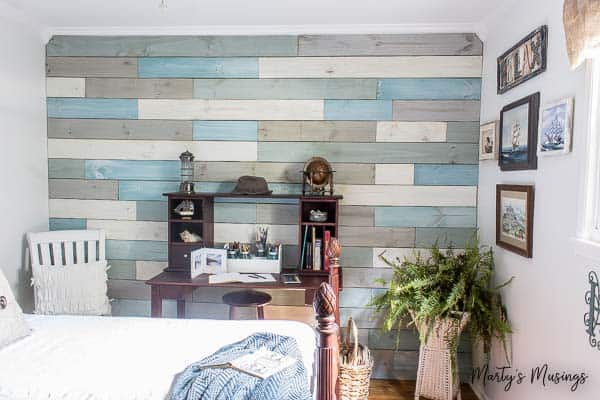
(317, 255)
(303, 250)
(313, 248)
(326, 238)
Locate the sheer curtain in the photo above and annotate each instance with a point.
(581, 19)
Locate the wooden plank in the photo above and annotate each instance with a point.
(445, 174)
(360, 110)
(65, 168)
(196, 67)
(65, 87)
(368, 236)
(145, 270)
(145, 190)
(231, 109)
(451, 217)
(94, 209)
(317, 131)
(285, 89)
(246, 233)
(187, 46)
(91, 108)
(133, 308)
(403, 131)
(398, 195)
(128, 289)
(151, 211)
(396, 255)
(355, 297)
(136, 250)
(357, 257)
(277, 214)
(408, 341)
(131, 230)
(463, 132)
(207, 311)
(383, 153)
(363, 317)
(371, 67)
(119, 129)
(225, 130)
(241, 213)
(394, 174)
(450, 110)
(64, 224)
(150, 150)
(97, 67)
(127, 88)
(121, 269)
(429, 89)
(444, 237)
(304, 314)
(133, 170)
(82, 189)
(280, 297)
(356, 216)
(390, 44)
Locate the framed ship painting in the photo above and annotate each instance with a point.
(488, 141)
(514, 218)
(518, 134)
(523, 61)
(556, 128)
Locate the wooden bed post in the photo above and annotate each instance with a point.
(325, 303)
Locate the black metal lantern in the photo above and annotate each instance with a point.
(187, 172)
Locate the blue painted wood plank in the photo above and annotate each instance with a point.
(450, 217)
(355, 297)
(121, 269)
(151, 211)
(145, 190)
(429, 89)
(63, 224)
(132, 170)
(445, 174)
(240, 213)
(355, 110)
(444, 237)
(357, 257)
(92, 108)
(197, 67)
(142, 250)
(66, 168)
(254, 200)
(226, 130)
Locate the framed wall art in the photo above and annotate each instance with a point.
(514, 218)
(208, 261)
(556, 128)
(488, 141)
(523, 61)
(518, 134)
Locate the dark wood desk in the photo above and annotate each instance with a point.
(176, 285)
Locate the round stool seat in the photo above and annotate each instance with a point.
(247, 298)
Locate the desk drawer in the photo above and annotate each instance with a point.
(179, 256)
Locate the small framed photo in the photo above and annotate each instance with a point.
(514, 218)
(518, 134)
(488, 136)
(556, 128)
(208, 261)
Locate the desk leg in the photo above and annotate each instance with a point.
(156, 302)
(180, 308)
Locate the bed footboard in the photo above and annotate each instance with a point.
(328, 346)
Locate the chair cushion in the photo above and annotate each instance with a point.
(12, 323)
(71, 289)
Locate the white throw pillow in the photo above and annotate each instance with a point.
(12, 323)
(71, 289)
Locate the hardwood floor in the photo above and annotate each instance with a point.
(383, 389)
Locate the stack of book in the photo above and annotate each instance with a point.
(313, 255)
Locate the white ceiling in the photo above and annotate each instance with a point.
(262, 16)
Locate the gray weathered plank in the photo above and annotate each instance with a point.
(188, 46)
(130, 88)
(317, 131)
(425, 153)
(121, 269)
(444, 237)
(83, 189)
(450, 110)
(356, 257)
(390, 45)
(284, 89)
(66, 168)
(377, 236)
(60, 128)
(98, 67)
(128, 289)
(277, 213)
(463, 132)
(356, 216)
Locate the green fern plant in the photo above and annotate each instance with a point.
(448, 282)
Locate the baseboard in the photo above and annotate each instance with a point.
(478, 390)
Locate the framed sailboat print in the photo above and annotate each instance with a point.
(518, 134)
(556, 128)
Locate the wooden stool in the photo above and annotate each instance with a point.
(247, 298)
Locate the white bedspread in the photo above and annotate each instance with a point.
(109, 358)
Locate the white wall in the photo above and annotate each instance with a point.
(23, 166)
(546, 300)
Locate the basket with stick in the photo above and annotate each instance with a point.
(356, 365)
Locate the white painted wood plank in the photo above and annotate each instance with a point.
(93, 209)
(274, 110)
(151, 150)
(145, 270)
(65, 87)
(131, 230)
(402, 131)
(394, 174)
(284, 234)
(398, 195)
(370, 67)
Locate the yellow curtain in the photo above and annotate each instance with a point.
(581, 19)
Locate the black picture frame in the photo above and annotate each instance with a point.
(514, 159)
(521, 247)
(509, 59)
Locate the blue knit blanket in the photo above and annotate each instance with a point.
(197, 383)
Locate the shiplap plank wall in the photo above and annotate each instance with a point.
(397, 115)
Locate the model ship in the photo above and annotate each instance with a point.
(185, 209)
(516, 136)
(553, 137)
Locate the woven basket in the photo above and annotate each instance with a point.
(354, 376)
